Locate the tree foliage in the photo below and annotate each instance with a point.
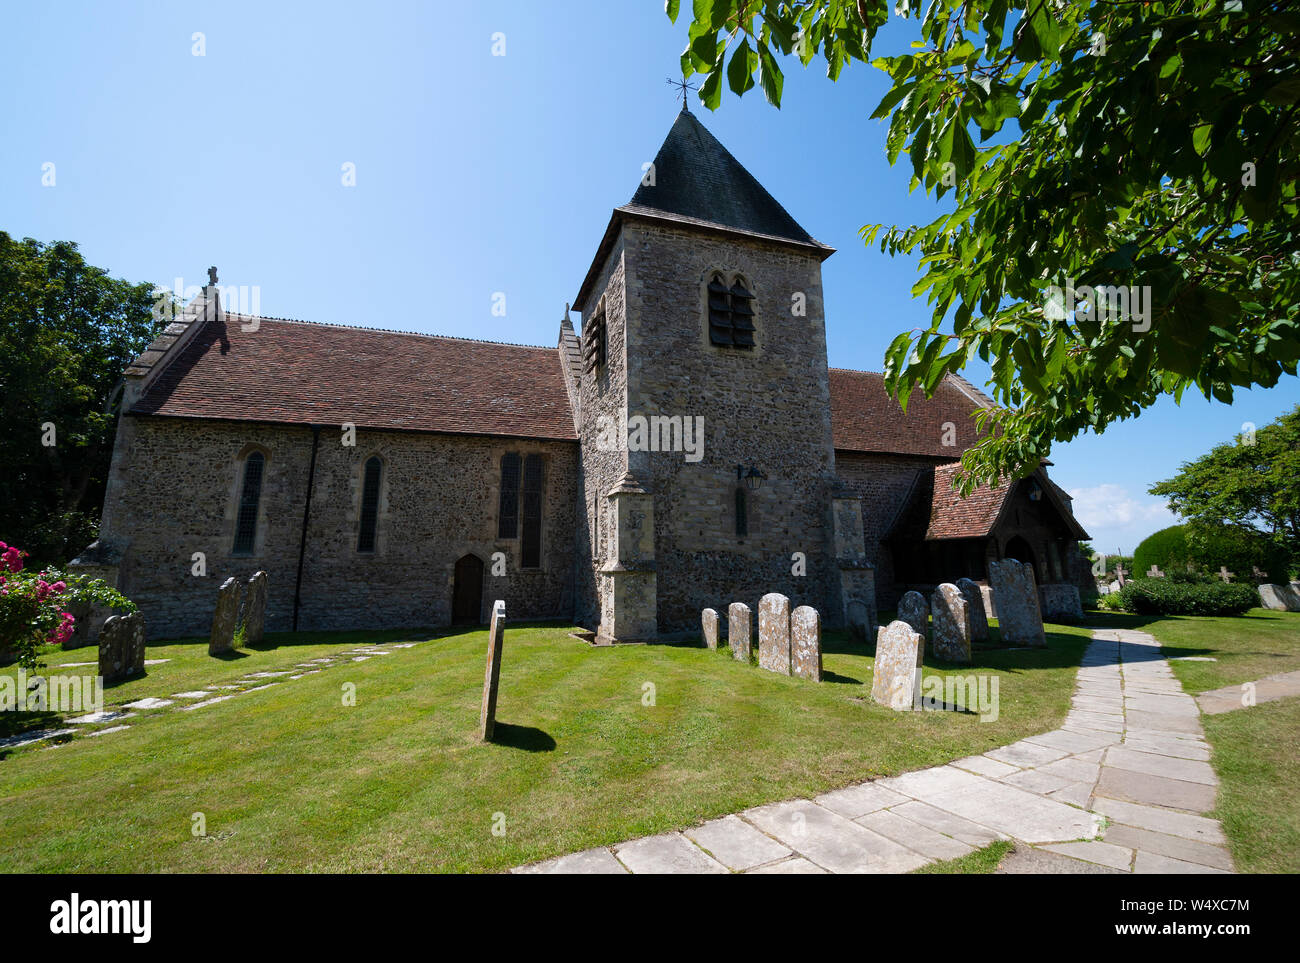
(1250, 484)
(67, 330)
(1100, 148)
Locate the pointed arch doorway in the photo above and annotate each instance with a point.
(467, 591)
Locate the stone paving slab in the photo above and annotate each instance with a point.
(1026, 754)
(855, 801)
(1189, 770)
(1153, 863)
(736, 844)
(914, 836)
(1155, 819)
(1272, 687)
(589, 861)
(831, 841)
(1143, 787)
(797, 866)
(984, 766)
(668, 853)
(1102, 853)
(1175, 847)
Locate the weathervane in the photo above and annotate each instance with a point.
(683, 86)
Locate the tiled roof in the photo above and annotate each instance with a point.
(974, 516)
(302, 373)
(696, 177)
(865, 418)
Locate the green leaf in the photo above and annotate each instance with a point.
(740, 72)
(671, 7)
(711, 91)
(769, 75)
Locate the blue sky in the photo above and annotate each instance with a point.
(475, 174)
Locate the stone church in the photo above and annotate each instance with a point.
(685, 445)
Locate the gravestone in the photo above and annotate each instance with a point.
(1120, 572)
(979, 622)
(1279, 598)
(255, 609)
(226, 617)
(1019, 620)
(806, 643)
(896, 678)
(738, 631)
(990, 603)
(1061, 603)
(1225, 574)
(860, 620)
(1154, 571)
(774, 633)
(121, 647)
(709, 622)
(915, 611)
(950, 637)
(487, 718)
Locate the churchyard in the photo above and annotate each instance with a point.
(591, 746)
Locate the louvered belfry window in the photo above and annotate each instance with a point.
(531, 544)
(731, 314)
(250, 497)
(593, 340)
(508, 517)
(369, 506)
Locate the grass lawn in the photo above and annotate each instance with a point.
(1256, 758)
(1248, 647)
(290, 779)
(979, 862)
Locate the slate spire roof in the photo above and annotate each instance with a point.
(696, 177)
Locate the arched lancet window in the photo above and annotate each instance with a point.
(742, 512)
(369, 505)
(508, 514)
(731, 313)
(250, 496)
(530, 547)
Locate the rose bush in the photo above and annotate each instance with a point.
(34, 606)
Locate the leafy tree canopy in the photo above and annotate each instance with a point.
(67, 330)
(1250, 484)
(1122, 184)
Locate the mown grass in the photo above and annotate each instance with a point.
(1255, 756)
(593, 746)
(978, 862)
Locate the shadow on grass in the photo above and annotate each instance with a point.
(527, 738)
(16, 723)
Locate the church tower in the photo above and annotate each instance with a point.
(708, 471)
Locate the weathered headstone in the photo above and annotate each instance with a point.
(1279, 598)
(774, 633)
(121, 647)
(859, 620)
(1154, 571)
(979, 622)
(896, 678)
(1120, 572)
(950, 637)
(255, 609)
(806, 643)
(738, 627)
(1225, 574)
(487, 718)
(225, 619)
(915, 611)
(709, 622)
(1060, 602)
(1019, 620)
(990, 603)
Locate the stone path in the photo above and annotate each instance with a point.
(202, 698)
(1121, 787)
(1280, 686)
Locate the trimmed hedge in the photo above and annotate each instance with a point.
(1162, 596)
(1208, 548)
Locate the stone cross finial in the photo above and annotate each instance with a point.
(1119, 574)
(1154, 572)
(212, 275)
(1225, 574)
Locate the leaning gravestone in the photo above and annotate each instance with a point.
(121, 647)
(1061, 603)
(896, 678)
(915, 611)
(774, 633)
(487, 718)
(225, 619)
(709, 620)
(1019, 620)
(738, 631)
(979, 622)
(950, 638)
(806, 643)
(1279, 598)
(255, 609)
